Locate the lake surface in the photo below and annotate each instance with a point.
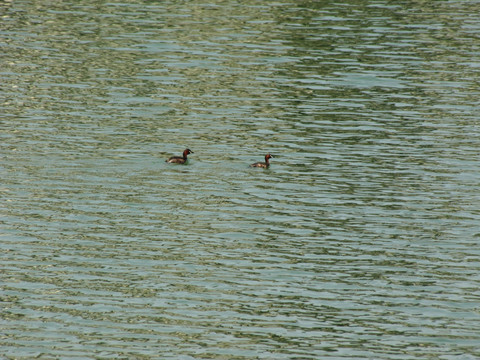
(361, 241)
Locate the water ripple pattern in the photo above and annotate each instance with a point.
(361, 241)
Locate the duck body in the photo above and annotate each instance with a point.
(265, 164)
(179, 159)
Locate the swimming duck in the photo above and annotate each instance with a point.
(265, 164)
(180, 159)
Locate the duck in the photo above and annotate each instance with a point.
(265, 164)
(180, 159)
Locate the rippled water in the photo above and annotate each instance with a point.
(360, 241)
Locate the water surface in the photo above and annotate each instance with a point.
(360, 241)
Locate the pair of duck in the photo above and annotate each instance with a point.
(186, 152)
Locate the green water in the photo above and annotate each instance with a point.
(360, 241)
